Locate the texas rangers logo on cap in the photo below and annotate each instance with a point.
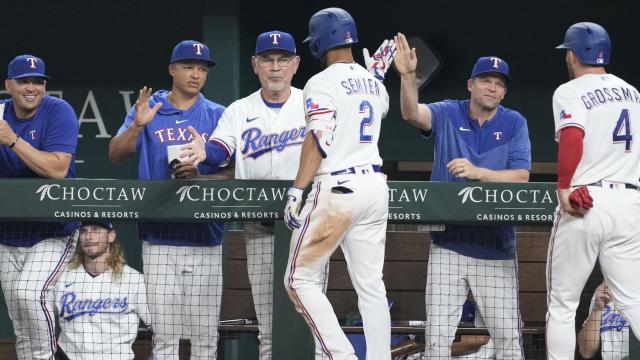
(198, 48)
(275, 40)
(32, 61)
(496, 62)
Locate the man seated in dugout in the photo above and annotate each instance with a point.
(605, 330)
(99, 300)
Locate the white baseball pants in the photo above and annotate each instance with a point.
(349, 211)
(184, 290)
(494, 284)
(27, 274)
(609, 233)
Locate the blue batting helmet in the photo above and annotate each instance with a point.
(330, 28)
(589, 41)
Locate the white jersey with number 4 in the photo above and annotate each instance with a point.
(265, 138)
(608, 110)
(349, 136)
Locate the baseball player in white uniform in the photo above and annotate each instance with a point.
(605, 330)
(596, 116)
(99, 300)
(263, 134)
(348, 203)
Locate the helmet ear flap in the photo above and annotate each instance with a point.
(314, 48)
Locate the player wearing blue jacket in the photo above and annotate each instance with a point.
(38, 137)
(182, 261)
(475, 140)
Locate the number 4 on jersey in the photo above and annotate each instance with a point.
(623, 125)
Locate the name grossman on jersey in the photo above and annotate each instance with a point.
(594, 98)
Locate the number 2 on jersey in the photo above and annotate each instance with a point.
(623, 125)
(366, 121)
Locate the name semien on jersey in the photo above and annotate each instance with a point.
(257, 144)
(594, 98)
(357, 86)
(72, 307)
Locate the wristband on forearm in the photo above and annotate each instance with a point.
(14, 142)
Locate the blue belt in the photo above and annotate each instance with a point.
(627, 186)
(352, 170)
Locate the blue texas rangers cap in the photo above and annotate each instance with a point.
(191, 50)
(490, 64)
(98, 222)
(275, 40)
(26, 66)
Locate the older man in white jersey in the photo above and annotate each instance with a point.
(263, 134)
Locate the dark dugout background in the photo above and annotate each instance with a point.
(100, 53)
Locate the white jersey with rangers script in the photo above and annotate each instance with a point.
(99, 316)
(614, 332)
(350, 136)
(265, 137)
(608, 110)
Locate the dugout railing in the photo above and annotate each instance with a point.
(415, 208)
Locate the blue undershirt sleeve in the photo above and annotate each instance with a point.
(216, 154)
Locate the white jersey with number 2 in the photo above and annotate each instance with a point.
(349, 137)
(607, 108)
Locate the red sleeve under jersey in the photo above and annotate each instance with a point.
(569, 154)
